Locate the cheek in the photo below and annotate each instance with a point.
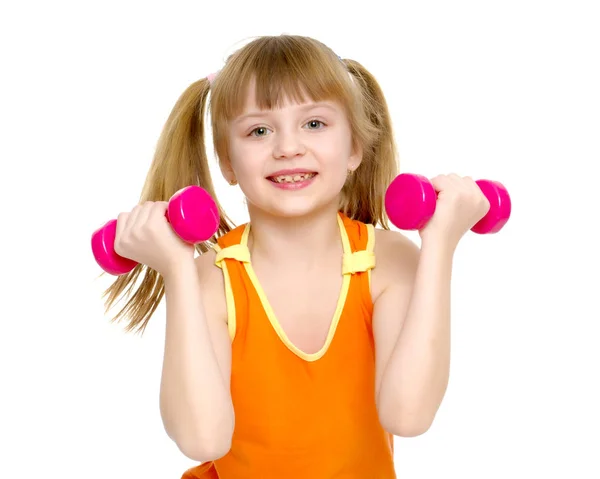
(241, 158)
(335, 173)
(336, 147)
(336, 155)
(249, 172)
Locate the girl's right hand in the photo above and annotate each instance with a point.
(144, 235)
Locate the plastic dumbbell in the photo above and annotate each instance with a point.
(410, 202)
(192, 213)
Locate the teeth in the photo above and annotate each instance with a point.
(292, 178)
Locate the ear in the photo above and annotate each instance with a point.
(355, 158)
(227, 171)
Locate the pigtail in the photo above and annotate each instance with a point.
(364, 191)
(180, 160)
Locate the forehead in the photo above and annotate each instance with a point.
(298, 100)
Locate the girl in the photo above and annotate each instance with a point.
(288, 352)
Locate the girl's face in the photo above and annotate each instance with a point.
(291, 160)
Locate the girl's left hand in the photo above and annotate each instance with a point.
(460, 205)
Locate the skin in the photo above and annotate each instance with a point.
(297, 255)
(410, 287)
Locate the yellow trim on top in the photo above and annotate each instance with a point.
(236, 251)
(345, 240)
(358, 262)
(370, 238)
(271, 314)
(370, 248)
(229, 299)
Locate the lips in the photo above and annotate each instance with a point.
(291, 176)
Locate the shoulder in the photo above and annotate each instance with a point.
(396, 244)
(208, 271)
(212, 284)
(397, 258)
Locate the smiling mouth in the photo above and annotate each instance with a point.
(295, 178)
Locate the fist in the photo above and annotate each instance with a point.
(145, 235)
(460, 205)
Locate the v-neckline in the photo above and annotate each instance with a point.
(270, 313)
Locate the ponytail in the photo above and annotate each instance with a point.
(179, 161)
(364, 191)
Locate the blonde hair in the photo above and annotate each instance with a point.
(285, 66)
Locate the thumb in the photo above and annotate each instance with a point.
(160, 209)
(439, 183)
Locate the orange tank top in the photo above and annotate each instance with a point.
(299, 415)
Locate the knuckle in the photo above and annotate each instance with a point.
(158, 206)
(120, 248)
(143, 232)
(137, 233)
(462, 192)
(147, 228)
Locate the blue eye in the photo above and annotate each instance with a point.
(263, 131)
(317, 123)
(260, 131)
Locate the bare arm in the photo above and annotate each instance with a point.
(195, 399)
(412, 333)
(411, 318)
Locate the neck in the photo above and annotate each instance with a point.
(304, 239)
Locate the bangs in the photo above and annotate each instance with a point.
(280, 69)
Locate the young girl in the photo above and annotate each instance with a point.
(299, 344)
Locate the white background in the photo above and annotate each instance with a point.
(502, 90)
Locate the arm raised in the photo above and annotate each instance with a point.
(411, 326)
(195, 399)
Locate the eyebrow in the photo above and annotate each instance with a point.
(304, 108)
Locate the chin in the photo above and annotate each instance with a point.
(296, 210)
(294, 204)
(297, 207)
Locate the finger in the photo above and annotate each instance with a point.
(475, 187)
(465, 183)
(441, 182)
(471, 185)
(159, 208)
(122, 220)
(158, 212)
(132, 220)
(459, 181)
(143, 214)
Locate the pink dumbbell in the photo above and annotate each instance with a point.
(192, 213)
(410, 202)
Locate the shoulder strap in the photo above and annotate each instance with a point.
(359, 245)
(358, 240)
(233, 245)
(230, 248)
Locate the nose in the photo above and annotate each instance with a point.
(288, 144)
